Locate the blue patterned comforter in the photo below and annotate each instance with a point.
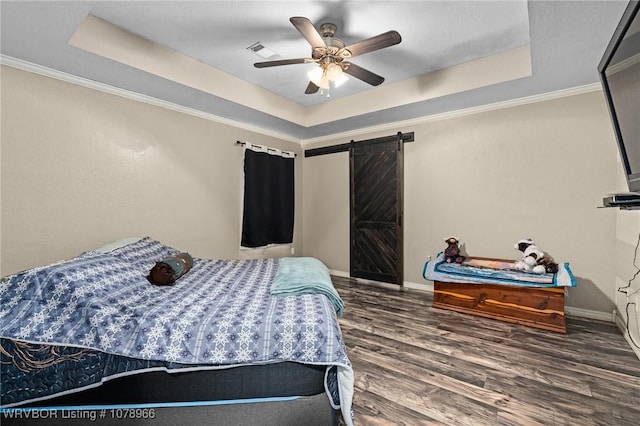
(219, 313)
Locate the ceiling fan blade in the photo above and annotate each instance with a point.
(308, 31)
(311, 88)
(283, 62)
(380, 41)
(362, 74)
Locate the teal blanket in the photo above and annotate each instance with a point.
(305, 275)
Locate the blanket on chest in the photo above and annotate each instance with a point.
(487, 271)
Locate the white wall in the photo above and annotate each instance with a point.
(627, 238)
(533, 171)
(81, 168)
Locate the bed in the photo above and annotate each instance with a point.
(232, 338)
(494, 288)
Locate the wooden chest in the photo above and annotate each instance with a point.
(540, 307)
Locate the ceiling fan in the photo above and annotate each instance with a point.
(332, 55)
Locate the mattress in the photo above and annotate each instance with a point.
(309, 411)
(94, 320)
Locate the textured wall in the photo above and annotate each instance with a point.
(533, 171)
(81, 168)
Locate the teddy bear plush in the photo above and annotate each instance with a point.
(533, 259)
(452, 252)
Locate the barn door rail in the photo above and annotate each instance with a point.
(332, 149)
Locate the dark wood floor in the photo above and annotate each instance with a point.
(416, 365)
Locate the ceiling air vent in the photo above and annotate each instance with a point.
(262, 50)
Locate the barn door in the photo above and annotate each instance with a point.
(376, 172)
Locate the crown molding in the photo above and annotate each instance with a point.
(91, 84)
(458, 113)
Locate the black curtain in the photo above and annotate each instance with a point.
(268, 199)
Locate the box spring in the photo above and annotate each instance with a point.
(192, 396)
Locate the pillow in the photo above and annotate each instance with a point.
(144, 253)
(117, 244)
(169, 269)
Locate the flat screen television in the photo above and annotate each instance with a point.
(619, 72)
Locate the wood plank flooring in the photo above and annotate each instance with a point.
(417, 365)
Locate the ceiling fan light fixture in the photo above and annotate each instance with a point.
(323, 75)
(334, 71)
(340, 80)
(319, 77)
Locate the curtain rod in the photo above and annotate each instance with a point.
(267, 148)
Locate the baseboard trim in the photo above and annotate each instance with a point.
(406, 284)
(587, 313)
(619, 321)
(428, 287)
(613, 317)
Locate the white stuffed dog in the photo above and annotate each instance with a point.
(534, 260)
